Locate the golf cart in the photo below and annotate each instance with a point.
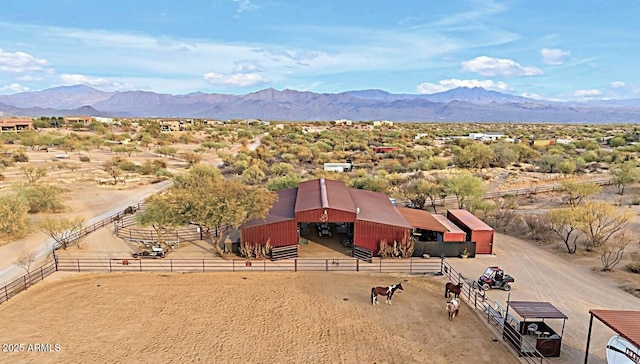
(494, 277)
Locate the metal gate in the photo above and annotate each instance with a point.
(362, 254)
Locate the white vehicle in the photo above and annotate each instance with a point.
(621, 351)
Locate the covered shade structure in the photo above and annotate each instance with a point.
(533, 331)
(624, 323)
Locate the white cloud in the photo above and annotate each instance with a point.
(491, 67)
(445, 85)
(13, 88)
(19, 62)
(246, 5)
(587, 93)
(553, 56)
(102, 83)
(235, 79)
(532, 96)
(617, 84)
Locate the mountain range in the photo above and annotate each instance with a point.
(457, 105)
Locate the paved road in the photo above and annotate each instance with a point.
(546, 276)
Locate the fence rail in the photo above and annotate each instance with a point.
(422, 266)
(27, 281)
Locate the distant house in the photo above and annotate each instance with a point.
(563, 141)
(15, 125)
(383, 123)
(338, 167)
(342, 122)
(384, 149)
(486, 137)
(171, 125)
(84, 120)
(420, 136)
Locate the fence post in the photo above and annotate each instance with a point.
(264, 265)
(295, 265)
(110, 266)
(140, 261)
(78, 264)
(6, 293)
(55, 259)
(25, 281)
(410, 265)
(171, 264)
(326, 265)
(357, 265)
(41, 274)
(202, 265)
(380, 265)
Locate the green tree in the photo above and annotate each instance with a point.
(112, 167)
(466, 188)
(64, 231)
(599, 221)
(624, 174)
(160, 213)
(564, 222)
(283, 182)
(33, 174)
(41, 197)
(576, 193)
(217, 204)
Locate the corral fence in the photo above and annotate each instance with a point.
(495, 313)
(26, 281)
(204, 265)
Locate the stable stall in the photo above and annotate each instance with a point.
(530, 333)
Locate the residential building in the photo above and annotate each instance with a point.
(15, 125)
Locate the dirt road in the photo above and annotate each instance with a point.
(572, 288)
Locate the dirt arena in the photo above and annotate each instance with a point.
(243, 318)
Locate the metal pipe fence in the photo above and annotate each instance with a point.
(26, 281)
(418, 266)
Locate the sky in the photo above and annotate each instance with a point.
(554, 50)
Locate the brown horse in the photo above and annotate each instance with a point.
(386, 291)
(452, 308)
(452, 288)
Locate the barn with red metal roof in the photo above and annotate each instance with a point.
(369, 216)
(477, 230)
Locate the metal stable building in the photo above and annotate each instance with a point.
(476, 229)
(371, 214)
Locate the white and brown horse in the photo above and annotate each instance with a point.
(452, 308)
(386, 291)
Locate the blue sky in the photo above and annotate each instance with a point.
(556, 50)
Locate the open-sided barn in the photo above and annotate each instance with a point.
(432, 227)
(477, 230)
(371, 215)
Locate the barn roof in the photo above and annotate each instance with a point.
(536, 310)
(421, 219)
(376, 207)
(283, 209)
(322, 194)
(624, 323)
(470, 220)
(450, 226)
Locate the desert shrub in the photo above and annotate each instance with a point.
(163, 173)
(13, 216)
(633, 267)
(128, 166)
(150, 167)
(20, 158)
(7, 162)
(84, 158)
(42, 198)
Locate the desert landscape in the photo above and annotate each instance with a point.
(416, 331)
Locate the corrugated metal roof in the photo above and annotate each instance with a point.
(470, 220)
(421, 219)
(625, 323)
(536, 310)
(450, 226)
(376, 207)
(323, 193)
(283, 209)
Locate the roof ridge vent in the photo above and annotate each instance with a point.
(324, 197)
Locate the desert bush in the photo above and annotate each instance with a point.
(257, 251)
(150, 167)
(20, 158)
(633, 267)
(127, 165)
(13, 216)
(42, 198)
(84, 158)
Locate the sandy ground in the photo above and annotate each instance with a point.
(242, 318)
